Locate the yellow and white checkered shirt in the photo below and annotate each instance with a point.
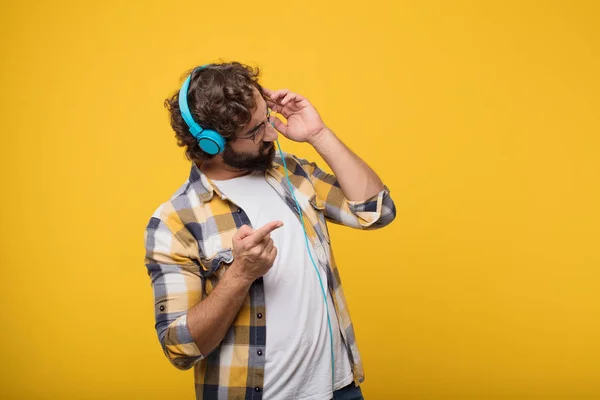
(188, 247)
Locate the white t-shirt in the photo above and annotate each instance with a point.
(297, 351)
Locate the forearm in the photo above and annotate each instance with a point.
(357, 180)
(209, 320)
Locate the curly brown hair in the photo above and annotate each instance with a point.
(221, 98)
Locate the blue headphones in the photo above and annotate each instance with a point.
(210, 141)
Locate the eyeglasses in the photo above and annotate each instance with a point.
(257, 134)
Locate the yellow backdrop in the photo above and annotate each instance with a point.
(481, 117)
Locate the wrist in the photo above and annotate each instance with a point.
(319, 140)
(237, 274)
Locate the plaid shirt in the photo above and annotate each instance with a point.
(188, 247)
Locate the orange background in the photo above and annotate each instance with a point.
(481, 117)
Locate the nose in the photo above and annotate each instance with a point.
(271, 133)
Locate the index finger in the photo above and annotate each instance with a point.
(275, 95)
(267, 91)
(257, 236)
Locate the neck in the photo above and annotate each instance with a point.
(218, 170)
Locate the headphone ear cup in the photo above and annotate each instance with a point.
(211, 142)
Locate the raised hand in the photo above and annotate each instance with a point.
(253, 251)
(304, 123)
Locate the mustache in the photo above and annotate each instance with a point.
(266, 145)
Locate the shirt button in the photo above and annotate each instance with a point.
(259, 352)
(259, 315)
(257, 389)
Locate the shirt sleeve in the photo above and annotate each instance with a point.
(177, 286)
(372, 213)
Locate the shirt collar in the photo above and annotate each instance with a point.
(206, 189)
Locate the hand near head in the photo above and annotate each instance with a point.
(304, 123)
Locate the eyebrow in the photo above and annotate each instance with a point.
(251, 131)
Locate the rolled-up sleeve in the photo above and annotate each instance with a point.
(177, 286)
(373, 213)
(376, 212)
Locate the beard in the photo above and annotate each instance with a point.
(248, 161)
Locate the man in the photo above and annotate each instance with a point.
(238, 294)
